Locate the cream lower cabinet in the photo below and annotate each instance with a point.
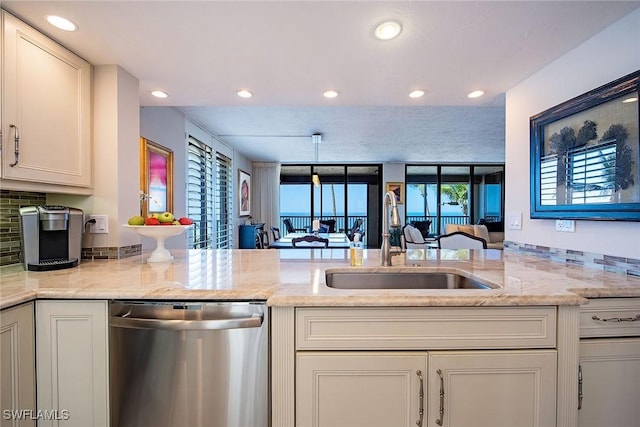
(463, 388)
(456, 368)
(344, 389)
(609, 379)
(72, 363)
(17, 367)
(492, 388)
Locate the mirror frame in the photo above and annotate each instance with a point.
(621, 211)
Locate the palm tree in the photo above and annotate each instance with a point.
(423, 192)
(458, 194)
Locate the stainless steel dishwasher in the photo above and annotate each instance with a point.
(190, 364)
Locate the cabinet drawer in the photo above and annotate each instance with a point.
(425, 328)
(610, 317)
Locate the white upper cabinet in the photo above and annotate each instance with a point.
(46, 113)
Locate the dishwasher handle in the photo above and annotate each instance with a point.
(254, 321)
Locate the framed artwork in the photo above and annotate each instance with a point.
(585, 154)
(396, 188)
(244, 192)
(156, 178)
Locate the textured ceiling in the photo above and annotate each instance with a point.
(289, 52)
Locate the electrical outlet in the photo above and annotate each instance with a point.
(101, 225)
(566, 225)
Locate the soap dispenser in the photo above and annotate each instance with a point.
(355, 251)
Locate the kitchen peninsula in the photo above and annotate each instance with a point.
(327, 343)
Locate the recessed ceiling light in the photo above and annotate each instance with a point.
(330, 94)
(475, 94)
(388, 30)
(159, 94)
(416, 93)
(243, 93)
(632, 99)
(61, 23)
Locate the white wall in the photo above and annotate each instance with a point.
(166, 126)
(607, 56)
(115, 157)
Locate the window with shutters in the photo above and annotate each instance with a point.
(588, 171)
(200, 194)
(593, 173)
(224, 202)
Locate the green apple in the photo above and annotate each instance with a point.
(166, 217)
(136, 220)
(155, 215)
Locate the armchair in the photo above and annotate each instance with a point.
(290, 228)
(494, 236)
(423, 226)
(275, 231)
(330, 225)
(413, 238)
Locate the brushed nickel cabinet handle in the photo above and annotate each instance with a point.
(440, 420)
(617, 319)
(421, 395)
(16, 142)
(579, 387)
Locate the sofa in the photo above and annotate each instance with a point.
(493, 233)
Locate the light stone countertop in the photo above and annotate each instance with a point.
(296, 277)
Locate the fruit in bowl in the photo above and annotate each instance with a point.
(166, 218)
(136, 220)
(185, 221)
(152, 221)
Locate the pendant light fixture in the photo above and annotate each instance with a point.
(316, 138)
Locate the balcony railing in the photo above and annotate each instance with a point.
(444, 220)
(304, 222)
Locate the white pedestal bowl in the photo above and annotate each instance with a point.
(160, 233)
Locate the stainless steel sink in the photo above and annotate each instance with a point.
(400, 280)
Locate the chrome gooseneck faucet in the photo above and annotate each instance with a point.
(385, 256)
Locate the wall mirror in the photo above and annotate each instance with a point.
(585, 155)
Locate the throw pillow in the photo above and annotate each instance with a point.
(466, 229)
(481, 231)
(450, 228)
(416, 235)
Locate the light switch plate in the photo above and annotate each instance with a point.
(515, 220)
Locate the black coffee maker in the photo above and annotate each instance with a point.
(50, 236)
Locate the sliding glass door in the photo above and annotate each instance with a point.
(340, 196)
(454, 194)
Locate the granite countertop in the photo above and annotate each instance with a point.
(296, 277)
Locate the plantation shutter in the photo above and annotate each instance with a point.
(200, 193)
(224, 202)
(593, 175)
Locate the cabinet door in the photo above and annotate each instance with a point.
(492, 388)
(367, 389)
(610, 382)
(71, 360)
(46, 96)
(17, 366)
